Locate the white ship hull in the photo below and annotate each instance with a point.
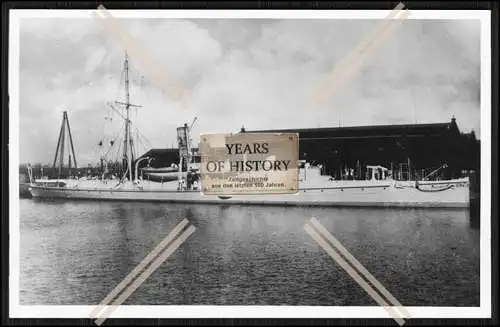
(448, 194)
(314, 188)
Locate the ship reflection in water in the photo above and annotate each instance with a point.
(77, 252)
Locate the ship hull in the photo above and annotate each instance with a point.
(450, 195)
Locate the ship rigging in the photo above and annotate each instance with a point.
(121, 154)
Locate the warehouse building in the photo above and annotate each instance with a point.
(407, 151)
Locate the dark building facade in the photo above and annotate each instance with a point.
(417, 148)
(410, 151)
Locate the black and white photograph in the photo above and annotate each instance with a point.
(377, 207)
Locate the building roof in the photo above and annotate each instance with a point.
(371, 131)
(168, 155)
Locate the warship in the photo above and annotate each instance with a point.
(181, 182)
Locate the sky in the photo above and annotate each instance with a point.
(239, 72)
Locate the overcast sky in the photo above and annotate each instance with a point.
(249, 72)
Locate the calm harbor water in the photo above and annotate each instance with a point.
(77, 252)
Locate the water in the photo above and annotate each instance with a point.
(77, 252)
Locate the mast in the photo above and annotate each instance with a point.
(61, 157)
(126, 157)
(69, 165)
(61, 143)
(128, 153)
(71, 142)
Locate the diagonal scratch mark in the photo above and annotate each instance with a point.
(355, 275)
(128, 286)
(351, 64)
(353, 261)
(133, 274)
(153, 68)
